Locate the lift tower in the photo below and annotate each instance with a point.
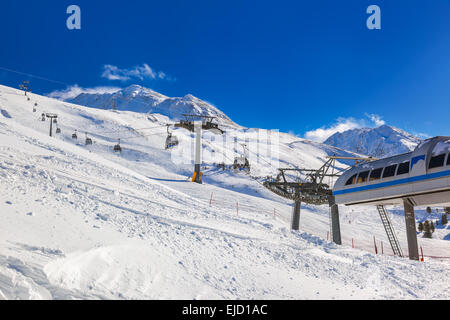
(52, 117)
(311, 189)
(197, 123)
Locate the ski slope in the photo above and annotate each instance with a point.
(80, 222)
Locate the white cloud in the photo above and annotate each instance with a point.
(376, 119)
(344, 124)
(142, 72)
(73, 91)
(322, 134)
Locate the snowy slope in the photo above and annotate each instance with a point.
(139, 99)
(380, 142)
(82, 222)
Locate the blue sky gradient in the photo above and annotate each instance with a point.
(289, 65)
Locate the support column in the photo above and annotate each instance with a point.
(51, 126)
(335, 223)
(411, 233)
(295, 220)
(198, 151)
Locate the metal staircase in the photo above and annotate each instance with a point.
(393, 240)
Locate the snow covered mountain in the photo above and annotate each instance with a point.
(82, 222)
(139, 99)
(383, 141)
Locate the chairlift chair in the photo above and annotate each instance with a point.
(58, 130)
(241, 163)
(74, 135)
(171, 141)
(118, 148)
(88, 140)
(43, 117)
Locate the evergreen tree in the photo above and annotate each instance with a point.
(432, 226)
(444, 219)
(420, 227)
(427, 230)
(428, 210)
(447, 209)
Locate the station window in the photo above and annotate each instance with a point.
(437, 161)
(363, 177)
(376, 174)
(389, 171)
(352, 180)
(403, 168)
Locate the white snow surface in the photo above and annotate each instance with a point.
(82, 222)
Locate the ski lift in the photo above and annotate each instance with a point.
(118, 148)
(43, 117)
(74, 135)
(171, 141)
(88, 140)
(58, 130)
(241, 162)
(55, 121)
(34, 108)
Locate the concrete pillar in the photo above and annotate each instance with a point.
(411, 233)
(295, 221)
(335, 223)
(198, 150)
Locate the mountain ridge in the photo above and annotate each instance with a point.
(382, 141)
(144, 100)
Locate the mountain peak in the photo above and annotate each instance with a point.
(140, 99)
(189, 97)
(382, 141)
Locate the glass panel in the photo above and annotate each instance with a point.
(389, 171)
(363, 177)
(403, 168)
(352, 180)
(437, 161)
(441, 147)
(376, 174)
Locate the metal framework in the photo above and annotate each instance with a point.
(207, 123)
(52, 118)
(312, 189)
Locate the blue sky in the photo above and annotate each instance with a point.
(289, 65)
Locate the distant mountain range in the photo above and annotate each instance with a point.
(139, 99)
(378, 142)
(383, 141)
